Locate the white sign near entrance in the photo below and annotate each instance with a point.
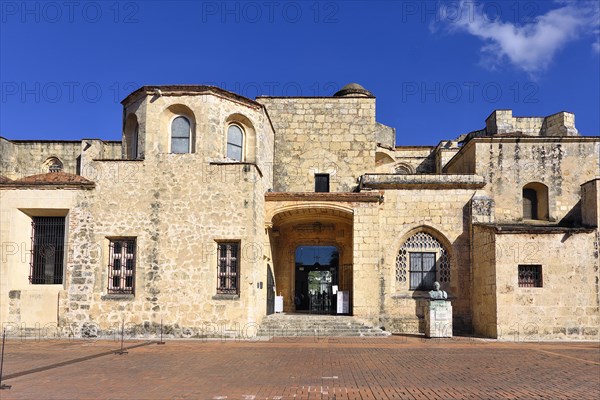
(278, 304)
(343, 302)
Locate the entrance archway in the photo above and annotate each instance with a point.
(312, 259)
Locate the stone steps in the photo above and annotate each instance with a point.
(295, 325)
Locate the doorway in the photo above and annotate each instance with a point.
(316, 279)
(270, 291)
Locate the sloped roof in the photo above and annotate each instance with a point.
(170, 90)
(53, 179)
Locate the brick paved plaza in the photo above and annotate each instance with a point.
(286, 368)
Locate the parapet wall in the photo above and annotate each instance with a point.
(21, 158)
(559, 124)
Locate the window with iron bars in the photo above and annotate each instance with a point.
(422, 270)
(228, 268)
(530, 276)
(121, 267)
(47, 250)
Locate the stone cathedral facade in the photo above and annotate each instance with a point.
(213, 205)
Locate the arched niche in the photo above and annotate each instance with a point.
(131, 140)
(535, 202)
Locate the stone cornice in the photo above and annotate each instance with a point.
(372, 197)
(421, 181)
(531, 228)
(47, 186)
(188, 90)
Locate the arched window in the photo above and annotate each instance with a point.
(424, 259)
(53, 164)
(180, 135)
(235, 142)
(403, 169)
(535, 201)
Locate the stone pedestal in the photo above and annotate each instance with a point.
(438, 319)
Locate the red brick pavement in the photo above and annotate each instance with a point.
(335, 368)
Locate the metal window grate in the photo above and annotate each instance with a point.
(47, 250)
(228, 268)
(530, 276)
(121, 267)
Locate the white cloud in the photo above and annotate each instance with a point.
(530, 46)
(596, 44)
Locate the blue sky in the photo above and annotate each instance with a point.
(437, 69)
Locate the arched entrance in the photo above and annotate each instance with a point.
(312, 259)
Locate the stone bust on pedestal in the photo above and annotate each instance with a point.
(436, 293)
(438, 314)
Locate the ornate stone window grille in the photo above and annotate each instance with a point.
(228, 268)
(121, 266)
(422, 242)
(53, 164)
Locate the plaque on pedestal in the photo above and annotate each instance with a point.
(438, 319)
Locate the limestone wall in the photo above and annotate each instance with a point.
(509, 164)
(385, 135)
(568, 304)
(334, 135)
(590, 203)
(23, 158)
(463, 162)
(559, 124)
(177, 215)
(177, 206)
(377, 231)
(483, 301)
(210, 116)
(442, 213)
(21, 303)
(367, 262)
(420, 159)
(444, 152)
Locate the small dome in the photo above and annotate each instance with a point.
(353, 90)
